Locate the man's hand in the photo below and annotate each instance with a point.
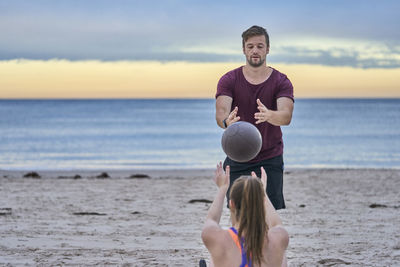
(264, 113)
(232, 118)
(221, 178)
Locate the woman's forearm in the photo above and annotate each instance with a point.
(272, 217)
(215, 211)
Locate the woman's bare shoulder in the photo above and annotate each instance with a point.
(278, 237)
(214, 236)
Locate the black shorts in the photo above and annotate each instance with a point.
(274, 169)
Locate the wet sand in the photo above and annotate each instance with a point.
(334, 217)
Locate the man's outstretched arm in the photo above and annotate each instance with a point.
(281, 116)
(223, 112)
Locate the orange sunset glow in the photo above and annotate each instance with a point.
(151, 79)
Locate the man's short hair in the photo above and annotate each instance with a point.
(255, 31)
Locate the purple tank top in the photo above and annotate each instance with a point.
(245, 94)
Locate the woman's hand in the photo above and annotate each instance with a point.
(263, 178)
(221, 178)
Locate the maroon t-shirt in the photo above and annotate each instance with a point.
(245, 94)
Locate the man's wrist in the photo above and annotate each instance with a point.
(224, 123)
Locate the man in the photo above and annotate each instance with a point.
(263, 96)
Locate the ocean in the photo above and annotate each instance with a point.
(182, 134)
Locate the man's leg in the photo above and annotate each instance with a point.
(274, 169)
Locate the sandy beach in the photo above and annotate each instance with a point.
(346, 217)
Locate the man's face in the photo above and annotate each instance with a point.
(256, 50)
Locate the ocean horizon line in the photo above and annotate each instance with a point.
(190, 98)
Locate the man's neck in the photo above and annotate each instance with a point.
(256, 75)
(252, 69)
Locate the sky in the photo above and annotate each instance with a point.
(180, 48)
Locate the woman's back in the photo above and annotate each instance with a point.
(228, 253)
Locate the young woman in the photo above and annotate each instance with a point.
(257, 237)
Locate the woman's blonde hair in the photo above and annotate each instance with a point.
(247, 194)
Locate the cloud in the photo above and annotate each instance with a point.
(329, 52)
(327, 33)
(351, 53)
(387, 57)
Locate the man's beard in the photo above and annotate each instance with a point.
(256, 65)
